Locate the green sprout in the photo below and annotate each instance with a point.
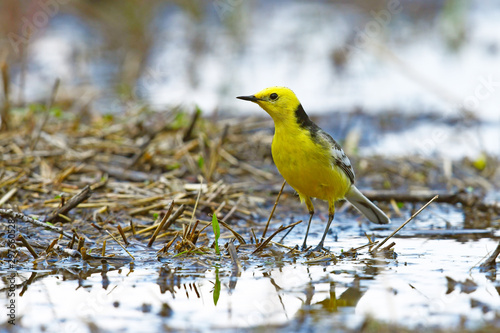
(216, 227)
(201, 162)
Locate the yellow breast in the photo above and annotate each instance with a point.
(307, 166)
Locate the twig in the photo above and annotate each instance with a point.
(132, 227)
(167, 246)
(322, 259)
(174, 217)
(28, 246)
(75, 233)
(388, 247)
(274, 208)
(123, 247)
(142, 210)
(286, 234)
(96, 226)
(51, 246)
(72, 242)
(8, 195)
(161, 225)
(70, 252)
(189, 131)
(237, 235)
(72, 203)
(81, 244)
(12, 180)
(294, 250)
(254, 236)
(120, 230)
(170, 221)
(83, 251)
(28, 219)
(64, 217)
(192, 234)
(280, 229)
(196, 203)
(355, 249)
(402, 226)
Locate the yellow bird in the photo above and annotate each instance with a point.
(310, 160)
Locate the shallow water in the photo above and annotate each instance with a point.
(276, 288)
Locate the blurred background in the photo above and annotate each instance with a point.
(429, 69)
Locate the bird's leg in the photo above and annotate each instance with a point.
(310, 207)
(331, 214)
(320, 246)
(304, 246)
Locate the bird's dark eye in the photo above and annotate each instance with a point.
(273, 96)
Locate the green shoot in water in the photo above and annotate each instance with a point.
(215, 226)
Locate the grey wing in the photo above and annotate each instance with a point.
(339, 158)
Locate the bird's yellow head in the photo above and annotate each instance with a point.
(279, 102)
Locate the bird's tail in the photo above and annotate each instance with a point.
(365, 206)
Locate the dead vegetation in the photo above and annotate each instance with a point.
(157, 178)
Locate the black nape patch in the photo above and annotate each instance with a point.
(301, 117)
(306, 123)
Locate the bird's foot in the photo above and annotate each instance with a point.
(319, 248)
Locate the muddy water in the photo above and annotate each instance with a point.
(276, 289)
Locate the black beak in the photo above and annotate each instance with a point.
(248, 98)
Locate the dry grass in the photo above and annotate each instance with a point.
(126, 175)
